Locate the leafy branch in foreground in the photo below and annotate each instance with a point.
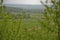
(51, 16)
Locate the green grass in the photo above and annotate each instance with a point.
(29, 29)
(26, 29)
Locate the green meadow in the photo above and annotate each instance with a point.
(29, 28)
(30, 25)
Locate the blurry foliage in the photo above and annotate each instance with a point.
(50, 20)
(51, 16)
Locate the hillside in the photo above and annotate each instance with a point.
(25, 8)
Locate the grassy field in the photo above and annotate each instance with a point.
(26, 29)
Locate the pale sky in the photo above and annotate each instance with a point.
(22, 1)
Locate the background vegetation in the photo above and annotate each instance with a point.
(45, 26)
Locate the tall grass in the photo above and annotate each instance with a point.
(29, 29)
(41, 28)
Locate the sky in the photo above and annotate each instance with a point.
(33, 2)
